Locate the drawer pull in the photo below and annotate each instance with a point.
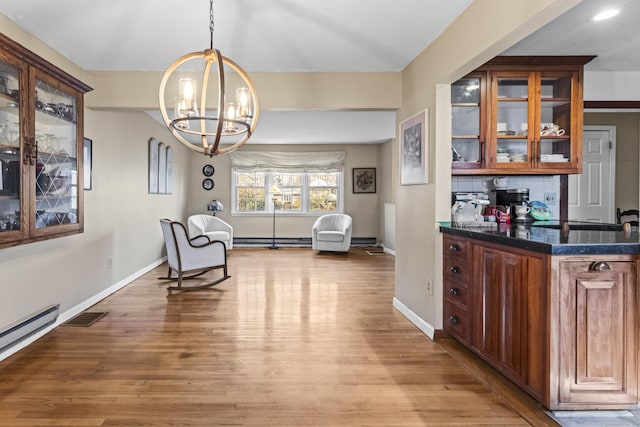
(599, 266)
(453, 319)
(455, 269)
(455, 292)
(454, 248)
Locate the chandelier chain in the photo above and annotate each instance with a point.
(211, 22)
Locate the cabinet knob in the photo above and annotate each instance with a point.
(453, 319)
(599, 266)
(455, 269)
(454, 248)
(455, 292)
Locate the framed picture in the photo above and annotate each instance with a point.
(413, 136)
(364, 180)
(87, 159)
(162, 168)
(169, 170)
(153, 166)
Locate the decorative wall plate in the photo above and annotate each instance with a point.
(207, 183)
(208, 170)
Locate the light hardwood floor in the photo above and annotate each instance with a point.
(294, 338)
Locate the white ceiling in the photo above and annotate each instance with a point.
(302, 35)
(616, 41)
(261, 35)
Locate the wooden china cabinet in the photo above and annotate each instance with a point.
(519, 115)
(41, 140)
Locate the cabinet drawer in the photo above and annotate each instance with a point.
(456, 321)
(456, 271)
(456, 249)
(456, 292)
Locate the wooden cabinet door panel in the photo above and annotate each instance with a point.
(486, 298)
(598, 333)
(513, 307)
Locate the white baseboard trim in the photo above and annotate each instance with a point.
(426, 328)
(81, 307)
(389, 251)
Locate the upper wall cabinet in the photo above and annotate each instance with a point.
(41, 130)
(519, 115)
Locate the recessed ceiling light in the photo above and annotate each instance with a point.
(606, 14)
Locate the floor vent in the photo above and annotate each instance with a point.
(28, 326)
(375, 252)
(87, 318)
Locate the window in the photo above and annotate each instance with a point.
(250, 192)
(295, 183)
(301, 193)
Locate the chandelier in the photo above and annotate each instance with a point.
(197, 127)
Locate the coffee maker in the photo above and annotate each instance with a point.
(512, 197)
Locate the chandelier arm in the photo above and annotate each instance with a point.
(203, 103)
(220, 62)
(252, 89)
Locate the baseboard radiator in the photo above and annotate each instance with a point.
(27, 326)
(293, 242)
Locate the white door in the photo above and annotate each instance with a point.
(592, 193)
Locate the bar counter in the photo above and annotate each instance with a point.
(583, 238)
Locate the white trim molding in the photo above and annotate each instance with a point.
(426, 328)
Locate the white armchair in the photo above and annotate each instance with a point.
(194, 256)
(212, 227)
(332, 232)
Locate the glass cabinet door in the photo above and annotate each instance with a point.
(512, 118)
(555, 112)
(12, 166)
(467, 122)
(56, 167)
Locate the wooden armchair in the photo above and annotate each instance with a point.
(190, 258)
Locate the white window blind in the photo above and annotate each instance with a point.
(314, 161)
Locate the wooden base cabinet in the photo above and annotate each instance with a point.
(563, 328)
(595, 338)
(508, 306)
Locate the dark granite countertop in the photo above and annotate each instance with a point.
(547, 237)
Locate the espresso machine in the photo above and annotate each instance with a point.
(512, 197)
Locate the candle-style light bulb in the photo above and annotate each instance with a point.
(229, 115)
(187, 91)
(180, 112)
(243, 99)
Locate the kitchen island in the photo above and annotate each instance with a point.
(552, 309)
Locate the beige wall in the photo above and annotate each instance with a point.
(276, 91)
(483, 31)
(627, 154)
(362, 207)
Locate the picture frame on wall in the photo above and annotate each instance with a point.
(87, 155)
(162, 168)
(153, 165)
(413, 135)
(364, 180)
(169, 170)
